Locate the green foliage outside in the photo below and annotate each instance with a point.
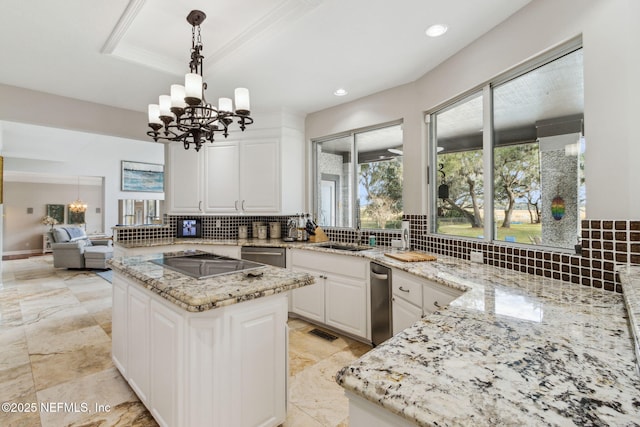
(382, 185)
(523, 233)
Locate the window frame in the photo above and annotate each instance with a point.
(489, 232)
(353, 214)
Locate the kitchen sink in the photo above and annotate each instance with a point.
(342, 247)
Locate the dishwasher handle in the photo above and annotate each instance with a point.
(264, 253)
(379, 276)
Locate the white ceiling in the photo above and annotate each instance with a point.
(291, 54)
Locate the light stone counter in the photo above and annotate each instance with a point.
(630, 279)
(199, 295)
(515, 349)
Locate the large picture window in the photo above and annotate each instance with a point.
(358, 179)
(516, 174)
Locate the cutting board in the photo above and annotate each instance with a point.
(411, 256)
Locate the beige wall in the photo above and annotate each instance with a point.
(39, 108)
(23, 231)
(611, 59)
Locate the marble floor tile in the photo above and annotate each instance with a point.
(55, 368)
(55, 346)
(316, 393)
(103, 397)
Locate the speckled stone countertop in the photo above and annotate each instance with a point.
(199, 295)
(630, 279)
(515, 349)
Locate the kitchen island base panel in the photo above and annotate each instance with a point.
(363, 413)
(219, 367)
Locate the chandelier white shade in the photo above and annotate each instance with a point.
(184, 115)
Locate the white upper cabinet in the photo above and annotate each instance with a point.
(260, 176)
(242, 176)
(221, 171)
(258, 172)
(184, 183)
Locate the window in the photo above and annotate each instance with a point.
(460, 191)
(366, 193)
(516, 174)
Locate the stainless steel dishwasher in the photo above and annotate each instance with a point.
(380, 282)
(264, 255)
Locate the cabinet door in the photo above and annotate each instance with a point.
(221, 173)
(166, 364)
(308, 301)
(258, 365)
(184, 179)
(119, 325)
(260, 176)
(138, 342)
(404, 314)
(436, 296)
(346, 305)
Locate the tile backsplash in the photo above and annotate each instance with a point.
(604, 245)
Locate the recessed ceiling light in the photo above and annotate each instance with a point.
(340, 92)
(436, 30)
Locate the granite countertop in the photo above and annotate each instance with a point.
(196, 295)
(630, 279)
(514, 349)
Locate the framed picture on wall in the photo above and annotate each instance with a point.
(56, 212)
(145, 177)
(75, 217)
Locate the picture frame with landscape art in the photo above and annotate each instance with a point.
(56, 212)
(142, 177)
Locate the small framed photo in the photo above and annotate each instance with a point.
(143, 177)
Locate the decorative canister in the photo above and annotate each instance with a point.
(262, 232)
(243, 232)
(255, 226)
(275, 231)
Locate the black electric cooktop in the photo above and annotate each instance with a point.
(202, 266)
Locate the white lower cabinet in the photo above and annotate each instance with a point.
(435, 296)
(137, 366)
(166, 348)
(119, 325)
(340, 296)
(406, 300)
(344, 305)
(404, 314)
(308, 301)
(221, 367)
(258, 383)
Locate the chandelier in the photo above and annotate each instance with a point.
(185, 115)
(78, 206)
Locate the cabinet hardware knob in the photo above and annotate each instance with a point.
(437, 304)
(404, 290)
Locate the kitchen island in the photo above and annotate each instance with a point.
(513, 350)
(203, 352)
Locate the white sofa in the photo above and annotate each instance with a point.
(73, 249)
